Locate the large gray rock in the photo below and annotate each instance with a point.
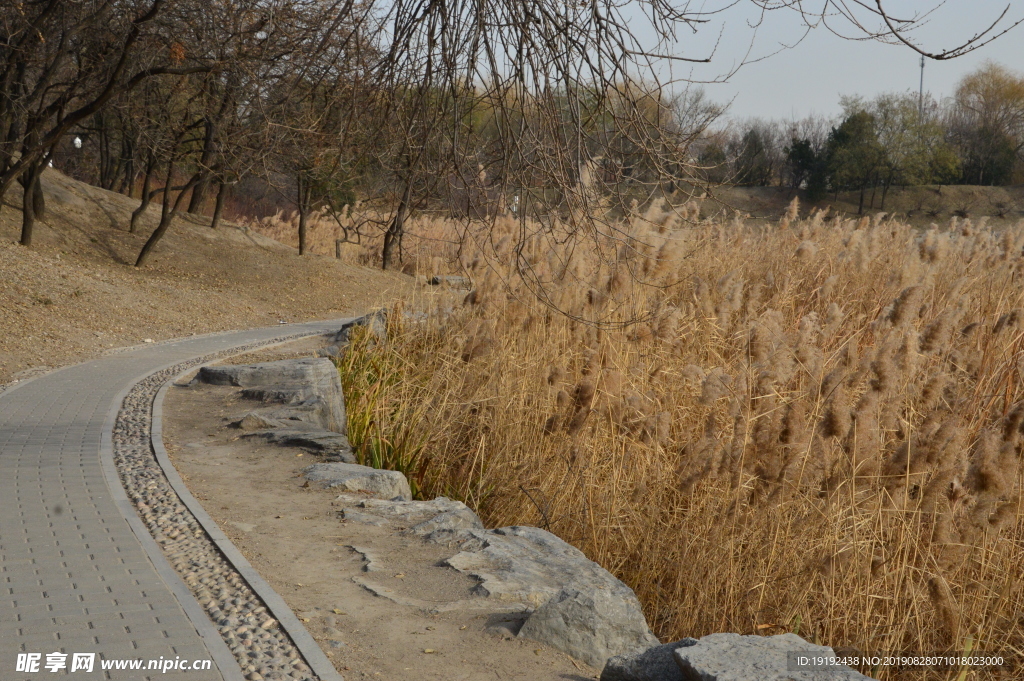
(580, 608)
(310, 386)
(356, 478)
(529, 565)
(651, 664)
(592, 625)
(732, 657)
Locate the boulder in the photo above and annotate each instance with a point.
(529, 565)
(310, 386)
(580, 608)
(329, 351)
(591, 625)
(732, 657)
(356, 478)
(375, 322)
(577, 606)
(653, 664)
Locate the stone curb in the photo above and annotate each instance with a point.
(222, 656)
(310, 650)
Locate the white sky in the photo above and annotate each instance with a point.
(810, 77)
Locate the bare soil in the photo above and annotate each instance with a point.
(75, 292)
(293, 534)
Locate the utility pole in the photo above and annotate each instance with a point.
(920, 95)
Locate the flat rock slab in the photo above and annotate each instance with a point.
(326, 443)
(355, 478)
(732, 657)
(257, 421)
(424, 517)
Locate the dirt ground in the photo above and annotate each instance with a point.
(75, 293)
(295, 537)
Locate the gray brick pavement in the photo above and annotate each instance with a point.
(73, 575)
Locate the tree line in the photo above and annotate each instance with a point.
(413, 104)
(975, 137)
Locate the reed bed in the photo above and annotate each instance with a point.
(811, 426)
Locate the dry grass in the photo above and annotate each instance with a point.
(814, 426)
(428, 244)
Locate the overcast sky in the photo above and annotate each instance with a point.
(810, 77)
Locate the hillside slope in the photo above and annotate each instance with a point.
(75, 292)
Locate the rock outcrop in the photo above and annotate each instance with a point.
(309, 409)
(570, 603)
(575, 605)
(309, 387)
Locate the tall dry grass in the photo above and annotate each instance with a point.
(811, 426)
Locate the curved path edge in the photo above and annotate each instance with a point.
(302, 639)
(70, 579)
(222, 657)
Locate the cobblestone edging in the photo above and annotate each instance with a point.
(260, 645)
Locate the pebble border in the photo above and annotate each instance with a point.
(263, 649)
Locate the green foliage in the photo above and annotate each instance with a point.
(807, 166)
(855, 156)
(384, 433)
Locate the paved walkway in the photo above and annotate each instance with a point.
(74, 577)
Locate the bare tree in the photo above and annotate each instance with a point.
(61, 63)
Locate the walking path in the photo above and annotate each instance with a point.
(74, 574)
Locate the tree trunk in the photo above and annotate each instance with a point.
(860, 207)
(218, 207)
(393, 237)
(885, 190)
(28, 213)
(874, 187)
(167, 215)
(147, 195)
(38, 199)
(128, 177)
(195, 204)
(302, 201)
